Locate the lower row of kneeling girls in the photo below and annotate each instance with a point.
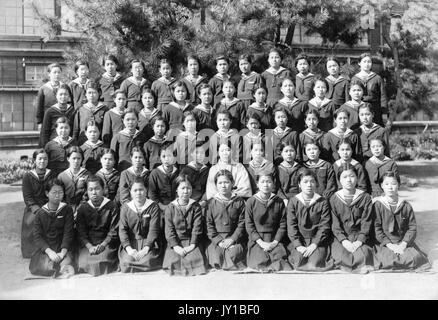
(349, 231)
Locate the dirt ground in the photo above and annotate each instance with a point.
(223, 285)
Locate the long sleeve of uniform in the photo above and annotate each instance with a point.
(169, 229)
(411, 233)
(366, 221)
(38, 235)
(239, 231)
(337, 229)
(106, 128)
(324, 225)
(212, 233)
(332, 185)
(282, 228)
(46, 127)
(113, 231)
(124, 227)
(197, 228)
(154, 225)
(292, 224)
(381, 237)
(362, 181)
(250, 225)
(39, 106)
(68, 235)
(124, 190)
(115, 147)
(76, 126)
(153, 188)
(81, 226)
(28, 194)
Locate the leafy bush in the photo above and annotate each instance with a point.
(12, 171)
(413, 147)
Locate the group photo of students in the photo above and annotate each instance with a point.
(278, 171)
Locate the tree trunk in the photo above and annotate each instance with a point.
(290, 34)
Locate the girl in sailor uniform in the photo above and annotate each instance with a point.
(162, 86)
(217, 81)
(93, 148)
(304, 80)
(323, 105)
(259, 165)
(338, 85)
(287, 173)
(248, 80)
(353, 105)
(148, 113)
(193, 79)
(134, 85)
(233, 105)
(283, 133)
(261, 108)
(109, 175)
(204, 112)
(79, 86)
(110, 81)
(312, 133)
(113, 119)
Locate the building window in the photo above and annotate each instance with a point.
(35, 72)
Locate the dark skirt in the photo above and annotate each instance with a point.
(362, 257)
(191, 265)
(232, 258)
(319, 260)
(152, 261)
(27, 242)
(41, 265)
(96, 265)
(412, 258)
(274, 260)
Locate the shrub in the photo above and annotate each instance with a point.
(413, 147)
(12, 171)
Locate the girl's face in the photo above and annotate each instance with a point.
(288, 154)
(62, 96)
(228, 89)
(110, 67)
(260, 95)
(224, 185)
(92, 95)
(257, 152)
(287, 88)
(222, 67)
(130, 121)
(390, 186)
(341, 120)
(308, 185)
(274, 60)
(200, 155)
(41, 161)
(376, 148)
(303, 66)
(55, 74)
(83, 71)
(312, 152)
(312, 121)
(280, 119)
(253, 124)
(55, 195)
(224, 153)
(184, 190)
(75, 160)
(244, 66)
(63, 130)
(107, 161)
(345, 152)
(190, 124)
(137, 70)
(159, 128)
(333, 68)
(92, 133)
(223, 122)
(366, 64)
(94, 191)
(348, 180)
(265, 184)
(356, 93)
(206, 96)
(148, 100)
(165, 70)
(365, 116)
(193, 67)
(137, 159)
(167, 158)
(120, 100)
(180, 93)
(138, 192)
(320, 89)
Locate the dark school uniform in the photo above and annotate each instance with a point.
(75, 186)
(138, 228)
(317, 136)
(54, 230)
(98, 226)
(121, 144)
(145, 118)
(162, 186)
(237, 110)
(265, 114)
(272, 79)
(216, 84)
(304, 86)
(48, 128)
(34, 195)
(362, 179)
(185, 146)
(162, 90)
(56, 150)
(245, 87)
(133, 89)
(307, 223)
(83, 115)
(127, 178)
(352, 220)
(338, 90)
(375, 94)
(325, 176)
(255, 170)
(192, 88)
(173, 113)
(226, 220)
(266, 220)
(325, 108)
(198, 178)
(233, 137)
(366, 134)
(206, 118)
(353, 109)
(46, 97)
(92, 154)
(375, 169)
(108, 85)
(288, 136)
(183, 227)
(395, 224)
(295, 111)
(287, 180)
(112, 124)
(78, 92)
(248, 140)
(152, 152)
(111, 183)
(331, 142)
